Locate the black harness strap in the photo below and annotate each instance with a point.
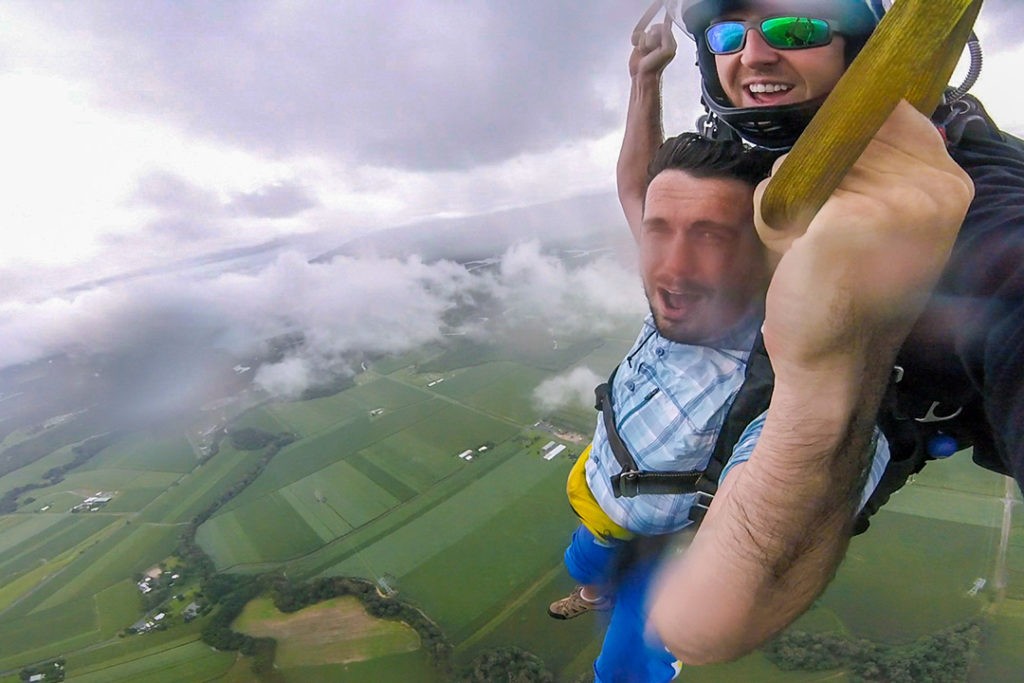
(632, 481)
(751, 400)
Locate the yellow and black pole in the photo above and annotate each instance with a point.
(911, 56)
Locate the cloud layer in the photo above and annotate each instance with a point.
(410, 84)
(344, 310)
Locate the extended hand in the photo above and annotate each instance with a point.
(654, 47)
(865, 265)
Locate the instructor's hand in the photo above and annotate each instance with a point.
(654, 46)
(863, 269)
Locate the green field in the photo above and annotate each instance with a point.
(59, 533)
(146, 452)
(336, 631)
(311, 417)
(476, 544)
(189, 661)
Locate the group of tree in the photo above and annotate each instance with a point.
(82, 453)
(52, 671)
(507, 664)
(253, 439)
(217, 632)
(291, 597)
(943, 657)
(197, 561)
(228, 594)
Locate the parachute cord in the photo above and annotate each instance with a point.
(974, 48)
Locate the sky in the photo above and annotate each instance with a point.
(136, 133)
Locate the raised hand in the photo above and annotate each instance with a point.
(654, 46)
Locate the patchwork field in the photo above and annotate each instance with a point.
(375, 485)
(335, 631)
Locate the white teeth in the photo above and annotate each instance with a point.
(768, 87)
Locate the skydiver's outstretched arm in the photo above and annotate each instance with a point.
(653, 49)
(843, 298)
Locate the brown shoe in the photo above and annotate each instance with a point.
(574, 605)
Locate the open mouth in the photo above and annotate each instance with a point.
(678, 304)
(767, 93)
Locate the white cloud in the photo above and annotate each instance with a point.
(571, 389)
(342, 309)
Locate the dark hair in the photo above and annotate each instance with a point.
(705, 158)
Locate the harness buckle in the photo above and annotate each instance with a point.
(703, 500)
(626, 484)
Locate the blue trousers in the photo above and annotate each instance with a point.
(629, 654)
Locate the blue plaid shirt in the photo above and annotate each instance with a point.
(670, 402)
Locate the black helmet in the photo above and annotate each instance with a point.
(774, 127)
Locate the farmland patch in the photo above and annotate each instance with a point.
(331, 632)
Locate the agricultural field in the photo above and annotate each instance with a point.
(428, 471)
(336, 631)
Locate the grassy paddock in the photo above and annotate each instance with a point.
(84, 483)
(38, 635)
(309, 502)
(1001, 657)
(349, 497)
(499, 559)
(327, 560)
(33, 473)
(193, 661)
(391, 364)
(335, 631)
(197, 490)
(260, 417)
(17, 531)
(947, 504)
(908, 576)
(513, 397)
(959, 473)
(46, 556)
(146, 452)
(405, 667)
(273, 532)
(311, 417)
(436, 535)
(310, 455)
(133, 549)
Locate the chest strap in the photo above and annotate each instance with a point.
(632, 481)
(751, 401)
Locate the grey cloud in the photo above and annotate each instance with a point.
(161, 189)
(150, 328)
(571, 389)
(1002, 16)
(279, 200)
(415, 83)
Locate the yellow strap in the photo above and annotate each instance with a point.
(911, 55)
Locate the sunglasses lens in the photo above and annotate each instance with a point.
(787, 33)
(726, 37)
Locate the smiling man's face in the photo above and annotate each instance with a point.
(702, 264)
(761, 76)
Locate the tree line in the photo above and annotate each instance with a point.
(231, 592)
(943, 657)
(83, 452)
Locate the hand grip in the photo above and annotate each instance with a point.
(911, 55)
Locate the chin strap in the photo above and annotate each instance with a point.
(911, 56)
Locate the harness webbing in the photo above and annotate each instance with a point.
(632, 481)
(752, 399)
